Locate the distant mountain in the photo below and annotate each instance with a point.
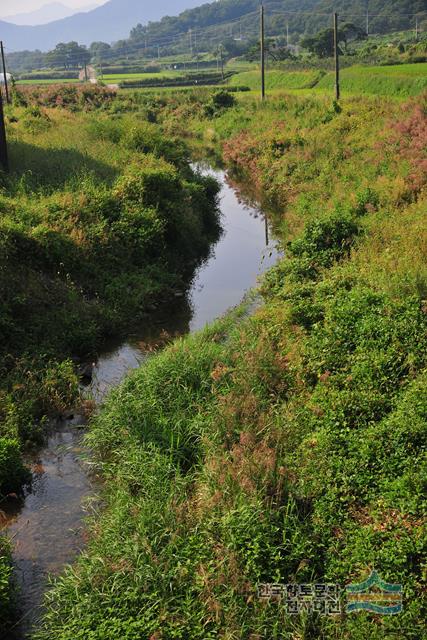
(112, 21)
(47, 13)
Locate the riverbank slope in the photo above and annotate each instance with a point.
(289, 448)
(99, 225)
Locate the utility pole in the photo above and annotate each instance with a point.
(195, 50)
(287, 34)
(416, 28)
(4, 159)
(6, 88)
(337, 59)
(86, 77)
(222, 61)
(191, 42)
(262, 54)
(367, 17)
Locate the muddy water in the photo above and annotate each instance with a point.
(47, 528)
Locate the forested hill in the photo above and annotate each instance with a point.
(237, 17)
(116, 18)
(386, 15)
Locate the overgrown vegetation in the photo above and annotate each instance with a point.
(100, 219)
(91, 235)
(291, 446)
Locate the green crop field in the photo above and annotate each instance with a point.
(397, 81)
(277, 79)
(121, 77)
(47, 81)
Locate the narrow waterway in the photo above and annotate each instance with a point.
(47, 528)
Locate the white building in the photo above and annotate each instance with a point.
(8, 77)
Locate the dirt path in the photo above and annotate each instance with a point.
(91, 74)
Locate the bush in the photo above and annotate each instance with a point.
(13, 474)
(220, 101)
(326, 240)
(6, 590)
(72, 97)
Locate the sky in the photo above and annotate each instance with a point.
(13, 7)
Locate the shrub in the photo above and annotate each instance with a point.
(6, 590)
(149, 139)
(13, 474)
(70, 97)
(219, 101)
(326, 240)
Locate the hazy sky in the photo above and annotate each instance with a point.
(12, 7)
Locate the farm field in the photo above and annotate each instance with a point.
(397, 81)
(47, 81)
(120, 77)
(277, 79)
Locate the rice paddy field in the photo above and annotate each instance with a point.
(116, 78)
(397, 81)
(278, 79)
(47, 81)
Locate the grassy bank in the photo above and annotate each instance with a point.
(289, 447)
(100, 218)
(400, 81)
(397, 81)
(100, 221)
(277, 79)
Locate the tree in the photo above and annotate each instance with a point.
(98, 48)
(68, 55)
(138, 33)
(275, 48)
(322, 43)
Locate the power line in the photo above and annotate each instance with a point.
(211, 33)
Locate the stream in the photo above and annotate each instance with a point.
(47, 528)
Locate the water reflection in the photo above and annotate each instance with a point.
(244, 251)
(46, 528)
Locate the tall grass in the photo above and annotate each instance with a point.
(291, 447)
(99, 219)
